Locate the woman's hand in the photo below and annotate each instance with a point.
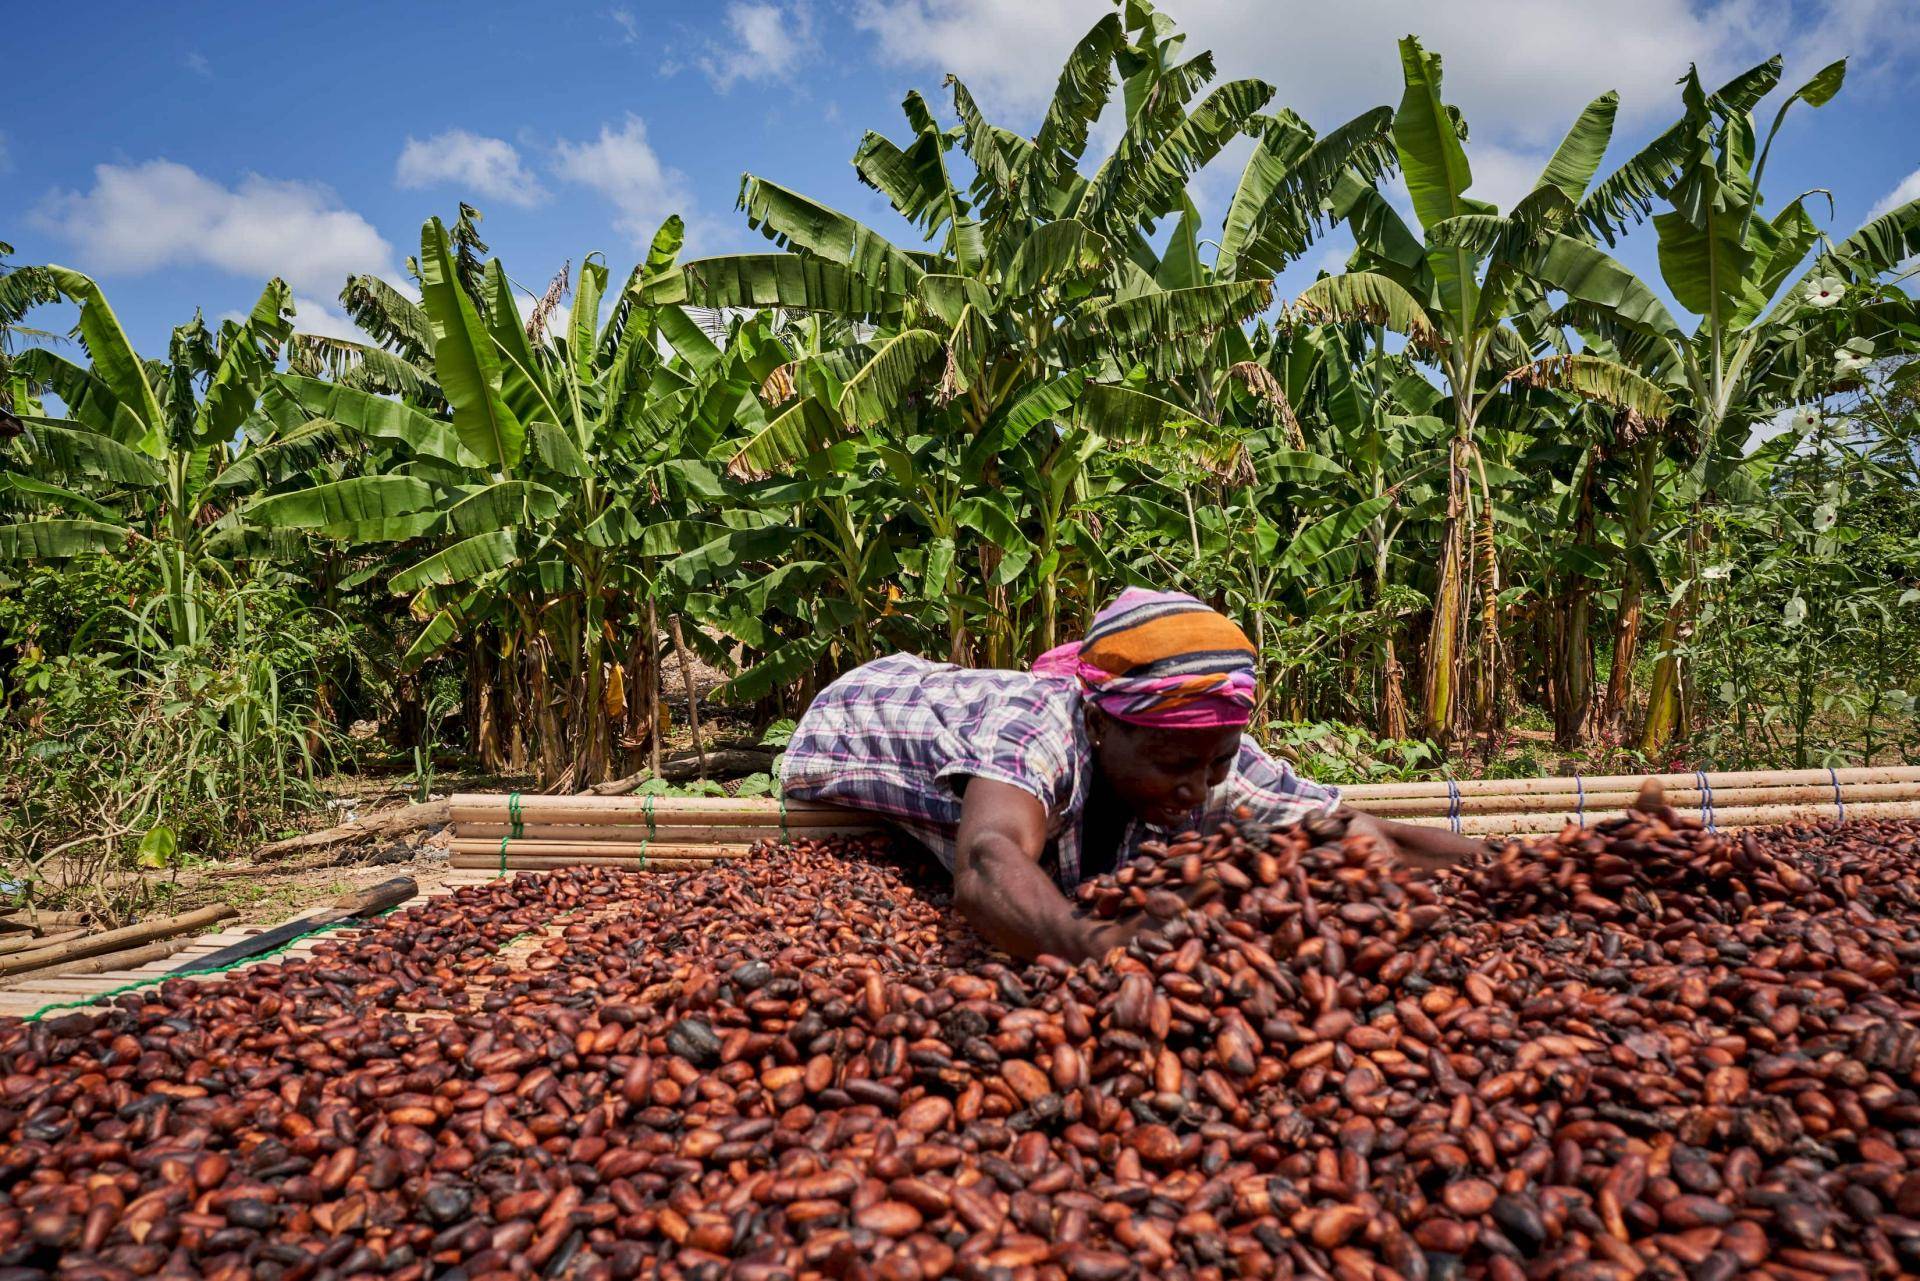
(1428, 848)
(1101, 937)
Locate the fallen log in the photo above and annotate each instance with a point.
(390, 823)
(683, 769)
(117, 940)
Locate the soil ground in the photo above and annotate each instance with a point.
(269, 892)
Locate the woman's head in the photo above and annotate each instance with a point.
(1168, 684)
(1161, 775)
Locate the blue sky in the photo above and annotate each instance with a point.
(194, 150)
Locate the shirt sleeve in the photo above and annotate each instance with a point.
(1274, 792)
(1021, 744)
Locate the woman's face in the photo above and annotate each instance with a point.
(1161, 774)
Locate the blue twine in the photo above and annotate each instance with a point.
(1453, 805)
(1840, 806)
(1706, 799)
(1581, 787)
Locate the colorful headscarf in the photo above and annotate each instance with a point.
(1162, 659)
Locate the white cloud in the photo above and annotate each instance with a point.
(197, 63)
(623, 167)
(1502, 175)
(480, 166)
(628, 24)
(766, 42)
(142, 217)
(1908, 190)
(311, 316)
(1520, 69)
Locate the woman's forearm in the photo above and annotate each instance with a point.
(1007, 897)
(1428, 847)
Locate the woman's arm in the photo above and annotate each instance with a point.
(999, 887)
(1431, 848)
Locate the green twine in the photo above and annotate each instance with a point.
(138, 985)
(519, 830)
(647, 808)
(783, 816)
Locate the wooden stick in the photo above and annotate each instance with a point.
(115, 940)
(1632, 782)
(392, 823)
(686, 679)
(131, 958)
(664, 834)
(34, 942)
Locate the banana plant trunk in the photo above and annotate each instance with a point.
(1393, 692)
(591, 725)
(1629, 615)
(1487, 702)
(1446, 634)
(1664, 696)
(642, 714)
(1572, 644)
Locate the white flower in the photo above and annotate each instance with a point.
(1848, 362)
(1716, 571)
(1795, 612)
(1825, 291)
(1805, 419)
(1824, 517)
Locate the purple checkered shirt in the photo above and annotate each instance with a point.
(894, 737)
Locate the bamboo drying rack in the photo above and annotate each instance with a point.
(515, 832)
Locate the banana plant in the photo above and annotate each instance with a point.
(21, 290)
(538, 522)
(137, 462)
(1764, 338)
(1459, 296)
(1037, 309)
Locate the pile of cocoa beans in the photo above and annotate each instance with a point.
(1635, 1050)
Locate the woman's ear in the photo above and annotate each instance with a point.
(1096, 725)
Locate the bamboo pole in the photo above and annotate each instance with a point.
(629, 849)
(116, 940)
(663, 834)
(557, 862)
(1739, 816)
(664, 811)
(1632, 782)
(131, 958)
(27, 918)
(1678, 797)
(34, 942)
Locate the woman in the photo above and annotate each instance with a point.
(1024, 784)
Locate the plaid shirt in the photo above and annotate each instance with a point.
(895, 736)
